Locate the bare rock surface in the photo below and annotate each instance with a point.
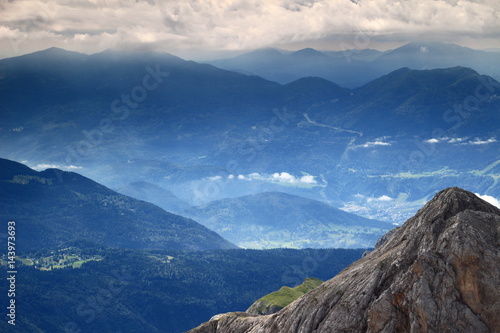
(439, 272)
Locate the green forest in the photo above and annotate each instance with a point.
(155, 291)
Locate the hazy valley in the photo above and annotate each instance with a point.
(151, 193)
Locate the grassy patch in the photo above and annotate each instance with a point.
(287, 295)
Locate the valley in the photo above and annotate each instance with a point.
(227, 135)
(151, 193)
(156, 291)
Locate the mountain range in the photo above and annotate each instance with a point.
(276, 219)
(436, 273)
(266, 162)
(206, 134)
(54, 207)
(355, 67)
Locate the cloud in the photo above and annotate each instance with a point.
(44, 166)
(482, 142)
(277, 177)
(432, 140)
(383, 198)
(461, 141)
(457, 140)
(488, 198)
(94, 25)
(72, 167)
(284, 177)
(40, 167)
(308, 179)
(371, 144)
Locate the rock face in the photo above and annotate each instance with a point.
(439, 272)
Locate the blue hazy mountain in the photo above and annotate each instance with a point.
(155, 194)
(205, 133)
(354, 68)
(52, 207)
(416, 102)
(275, 219)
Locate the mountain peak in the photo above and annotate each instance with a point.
(267, 51)
(426, 48)
(448, 207)
(57, 52)
(438, 272)
(453, 200)
(309, 52)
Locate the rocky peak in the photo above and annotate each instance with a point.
(437, 273)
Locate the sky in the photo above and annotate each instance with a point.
(204, 29)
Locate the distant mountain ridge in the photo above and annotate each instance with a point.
(275, 219)
(354, 68)
(202, 125)
(52, 207)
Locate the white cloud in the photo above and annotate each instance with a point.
(383, 198)
(432, 140)
(284, 177)
(461, 141)
(44, 166)
(278, 177)
(308, 179)
(482, 142)
(457, 140)
(91, 26)
(488, 198)
(376, 143)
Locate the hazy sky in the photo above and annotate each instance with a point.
(196, 29)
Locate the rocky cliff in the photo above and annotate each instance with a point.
(439, 272)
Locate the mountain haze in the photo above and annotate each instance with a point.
(276, 219)
(201, 131)
(52, 207)
(154, 194)
(353, 67)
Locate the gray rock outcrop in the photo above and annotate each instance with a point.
(439, 272)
